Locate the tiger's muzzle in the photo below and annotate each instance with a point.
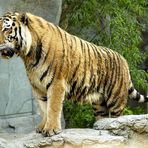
(6, 51)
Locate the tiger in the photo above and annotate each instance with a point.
(62, 66)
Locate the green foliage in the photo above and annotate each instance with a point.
(134, 111)
(77, 115)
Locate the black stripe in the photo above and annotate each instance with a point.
(49, 84)
(81, 46)
(110, 71)
(46, 71)
(107, 76)
(120, 77)
(73, 86)
(92, 47)
(38, 55)
(113, 67)
(92, 86)
(88, 47)
(115, 100)
(137, 97)
(116, 73)
(130, 90)
(84, 76)
(20, 36)
(100, 73)
(15, 30)
(83, 93)
(67, 49)
(75, 71)
(75, 43)
(91, 74)
(99, 57)
(43, 98)
(29, 53)
(103, 72)
(46, 56)
(71, 44)
(146, 99)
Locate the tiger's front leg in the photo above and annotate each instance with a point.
(42, 106)
(55, 97)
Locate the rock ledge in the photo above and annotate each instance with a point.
(124, 132)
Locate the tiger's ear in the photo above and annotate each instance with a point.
(23, 18)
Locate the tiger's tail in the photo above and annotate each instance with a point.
(134, 94)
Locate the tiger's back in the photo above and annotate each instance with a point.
(60, 65)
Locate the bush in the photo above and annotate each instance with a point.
(77, 115)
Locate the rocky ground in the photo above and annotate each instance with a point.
(124, 132)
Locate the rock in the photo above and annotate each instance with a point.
(3, 143)
(68, 138)
(124, 132)
(124, 125)
(19, 125)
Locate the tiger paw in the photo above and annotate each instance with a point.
(39, 128)
(50, 132)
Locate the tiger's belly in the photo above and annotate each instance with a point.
(83, 95)
(93, 97)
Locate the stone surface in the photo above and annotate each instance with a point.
(21, 125)
(68, 138)
(51, 10)
(108, 133)
(124, 125)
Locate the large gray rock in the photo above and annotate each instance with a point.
(87, 138)
(108, 133)
(124, 125)
(50, 10)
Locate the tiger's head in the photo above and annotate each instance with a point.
(15, 37)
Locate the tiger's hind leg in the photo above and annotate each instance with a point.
(100, 109)
(116, 106)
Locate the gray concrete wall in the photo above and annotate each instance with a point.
(15, 91)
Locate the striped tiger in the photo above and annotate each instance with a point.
(62, 66)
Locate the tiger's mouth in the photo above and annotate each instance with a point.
(6, 51)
